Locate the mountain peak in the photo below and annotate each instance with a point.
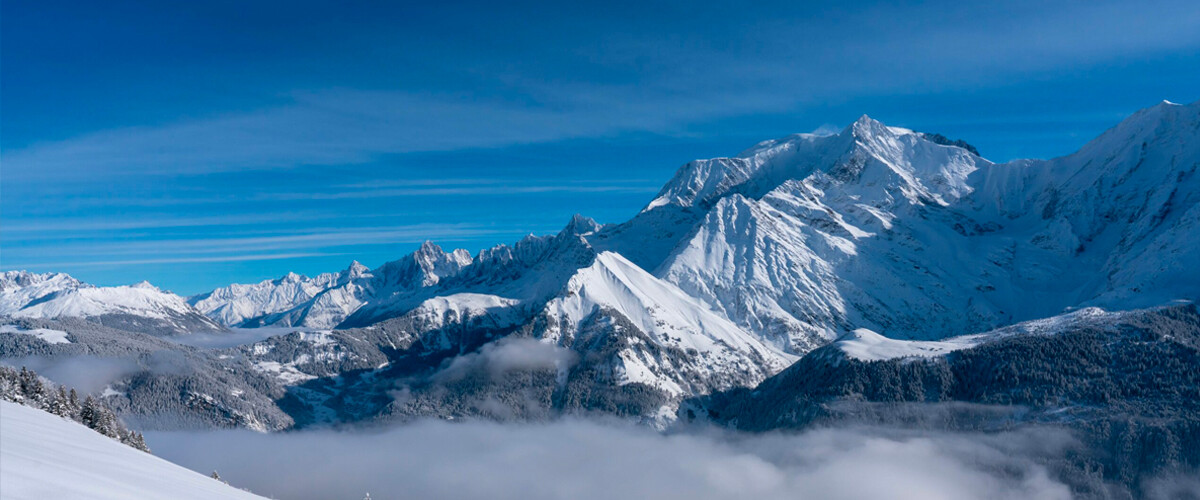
(865, 125)
(581, 225)
(867, 128)
(144, 285)
(429, 247)
(357, 269)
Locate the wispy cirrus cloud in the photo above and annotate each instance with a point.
(650, 78)
(181, 260)
(90, 224)
(293, 239)
(508, 189)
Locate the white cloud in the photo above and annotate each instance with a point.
(509, 354)
(587, 460)
(182, 260)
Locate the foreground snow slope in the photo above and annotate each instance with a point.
(44, 456)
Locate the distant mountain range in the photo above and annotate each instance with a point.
(740, 266)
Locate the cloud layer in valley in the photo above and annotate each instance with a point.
(585, 460)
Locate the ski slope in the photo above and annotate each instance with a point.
(43, 456)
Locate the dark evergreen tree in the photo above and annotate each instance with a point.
(73, 402)
(32, 388)
(59, 404)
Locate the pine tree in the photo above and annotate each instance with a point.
(92, 415)
(73, 402)
(59, 405)
(9, 386)
(136, 440)
(32, 388)
(106, 422)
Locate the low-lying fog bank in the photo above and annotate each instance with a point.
(585, 459)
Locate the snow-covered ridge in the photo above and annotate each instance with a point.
(57, 295)
(867, 152)
(866, 345)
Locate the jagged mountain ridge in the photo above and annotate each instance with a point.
(327, 299)
(800, 239)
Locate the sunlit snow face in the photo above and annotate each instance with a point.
(583, 460)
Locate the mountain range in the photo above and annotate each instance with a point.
(736, 269)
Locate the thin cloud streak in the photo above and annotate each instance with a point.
(308, 239)
(110, 224)
(496, 190)
(778, 66)
(442, 183)
(179, 260)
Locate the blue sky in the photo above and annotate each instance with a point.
(196, 144)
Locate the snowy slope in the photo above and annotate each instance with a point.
(45, 456)
(494, 311)
(141, 306)
(51, 336)
(1122, 212)
(866, 345)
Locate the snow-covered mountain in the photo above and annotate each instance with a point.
(139, 307)
(328, 299)
(877, 227)
(237, 304)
